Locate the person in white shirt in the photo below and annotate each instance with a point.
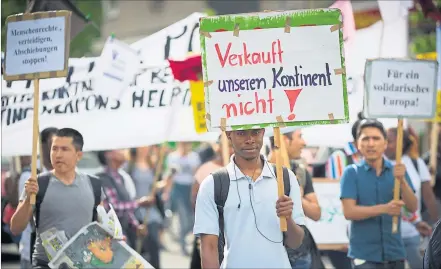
(251, 213)
(412, 226)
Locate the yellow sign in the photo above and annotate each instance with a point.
(198, 104)
(432, 56)
(426, 56)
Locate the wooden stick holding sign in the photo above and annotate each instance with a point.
(35, 61)
(35, 134)
(434, 150)
(398, 155)
(279, 172)
(225, 148)
(284, 151)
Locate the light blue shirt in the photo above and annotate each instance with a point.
(245, 246)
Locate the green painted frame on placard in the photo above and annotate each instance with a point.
(251, 21)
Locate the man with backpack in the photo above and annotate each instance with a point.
(239, 205)
(65, 198)
(27, 237)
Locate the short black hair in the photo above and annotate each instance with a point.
(102, 157)
(273, 144)
(372, 123)
(77, 138)
(47, 133)
(354, 129)
(407, 142)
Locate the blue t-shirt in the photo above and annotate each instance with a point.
(372, 239)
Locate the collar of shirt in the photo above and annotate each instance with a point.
(386, 164)
(74, 183)
(236, 173)
(115, 174)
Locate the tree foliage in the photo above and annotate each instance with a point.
(81, 45)
(422, 32)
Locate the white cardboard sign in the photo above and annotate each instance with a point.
(261, 77)
(37, 44)
(400, 88)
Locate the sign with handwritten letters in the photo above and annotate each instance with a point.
(37, 45)
(263, 69)
(400, 88)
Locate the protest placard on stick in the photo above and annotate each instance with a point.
(274, 69)
(37, 47)
(399, 88)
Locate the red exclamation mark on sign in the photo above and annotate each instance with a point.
(292, 97)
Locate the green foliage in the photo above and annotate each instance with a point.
(422, 32)
(81, 44)
(10, 7)
(423, 43)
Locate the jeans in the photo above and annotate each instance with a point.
(38, 264)
(150, 251)
(339, 259)
(303, 262)
(375, 265)
(25, 264)
(181, 194)
(413, 254)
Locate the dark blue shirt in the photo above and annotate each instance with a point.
(372, 239)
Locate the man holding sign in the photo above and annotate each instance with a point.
(367, 197)
(251, 212)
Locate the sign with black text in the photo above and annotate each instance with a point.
(400, 88)
(37, 45)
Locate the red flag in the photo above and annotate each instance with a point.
(188, 69)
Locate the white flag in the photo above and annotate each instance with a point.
(116, 67)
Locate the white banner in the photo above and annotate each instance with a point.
(155, 108)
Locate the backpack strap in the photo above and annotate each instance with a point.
(221, 180)
(415, 164)
(43, 183)
(96, 186)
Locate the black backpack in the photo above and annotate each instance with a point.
(432, 255)
(415, 164)
(221, 189)
(43, 182)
